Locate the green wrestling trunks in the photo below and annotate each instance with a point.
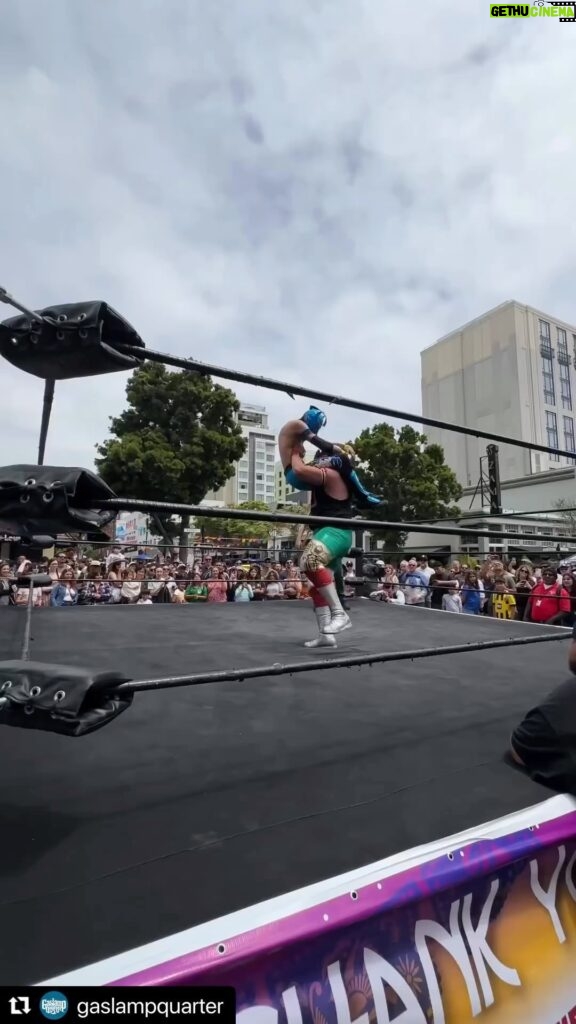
(337, 542)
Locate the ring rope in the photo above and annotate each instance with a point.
(207, 369)
(239, 675)
(197, 511)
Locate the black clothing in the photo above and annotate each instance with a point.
(523, 591)
(546, 739)
(324, 505)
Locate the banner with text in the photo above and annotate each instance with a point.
(504, 948)
(486, 932)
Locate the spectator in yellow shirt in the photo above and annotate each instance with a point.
(503, 604)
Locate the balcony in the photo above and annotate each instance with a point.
(546, 349)
(564, 358)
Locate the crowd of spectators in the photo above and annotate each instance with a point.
(73, 580)
(503, 590)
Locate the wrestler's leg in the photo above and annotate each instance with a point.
(339, 581)
(326, 546)
(294, 480)
(323, 618)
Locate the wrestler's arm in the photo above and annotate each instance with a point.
(308, 474)
(328, 447)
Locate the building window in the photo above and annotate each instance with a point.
(544, 332)
(565, 387)
(552, 433)
(569, 441)
(547, 364)
(548, 379)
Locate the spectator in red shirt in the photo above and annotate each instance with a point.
(548, 602)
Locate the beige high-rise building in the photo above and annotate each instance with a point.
(511, 371)
(254, 478)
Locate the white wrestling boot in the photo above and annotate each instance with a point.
(323, 617)
(339, 620)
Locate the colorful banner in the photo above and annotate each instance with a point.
(502, 950)
(484, 933)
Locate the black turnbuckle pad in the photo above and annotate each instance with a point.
(77, 339)
(57, 698)
(51, 499)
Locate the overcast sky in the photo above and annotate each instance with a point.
(308, 189)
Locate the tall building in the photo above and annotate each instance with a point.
(285, 493)
(281, 485)
(510, 371)
(254, 479)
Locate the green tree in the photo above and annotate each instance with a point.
(238, 529)
(409, 474)
(177, 439)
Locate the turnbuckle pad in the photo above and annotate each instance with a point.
(78, 339)
(51, 499)
(58, 698)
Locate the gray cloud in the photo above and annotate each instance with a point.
(310, 191)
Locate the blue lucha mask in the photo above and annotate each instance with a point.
(314, 419)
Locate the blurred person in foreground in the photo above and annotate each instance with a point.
(544, 743)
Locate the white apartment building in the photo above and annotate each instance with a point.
(255, 478)
(511, 371)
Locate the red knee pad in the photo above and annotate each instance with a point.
(320, 577)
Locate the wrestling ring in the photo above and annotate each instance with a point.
(299, 830)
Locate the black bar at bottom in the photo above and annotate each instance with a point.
(74, 1004)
